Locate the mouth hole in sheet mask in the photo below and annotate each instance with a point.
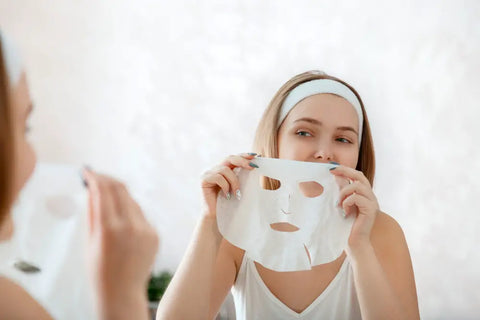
(268, 183)
(311, 189)
(284, 227)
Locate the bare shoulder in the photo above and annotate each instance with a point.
(391, 249)
(390, 245)
(387, 234)
(16, 303)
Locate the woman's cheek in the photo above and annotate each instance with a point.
(26, 160)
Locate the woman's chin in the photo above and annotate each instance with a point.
(6, 228)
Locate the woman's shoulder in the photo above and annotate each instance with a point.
(387, 236)
(16, 303)
(386, 225)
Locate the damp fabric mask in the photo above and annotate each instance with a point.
(51, 233)
(306, 200)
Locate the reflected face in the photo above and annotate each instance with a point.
(24, 154)
(320, 128)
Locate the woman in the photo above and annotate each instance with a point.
(122, 243)
(323, 126)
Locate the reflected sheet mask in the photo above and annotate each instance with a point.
(304, 204)
(51, 233)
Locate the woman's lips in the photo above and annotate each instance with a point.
(284, 227)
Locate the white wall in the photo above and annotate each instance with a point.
(157, 91)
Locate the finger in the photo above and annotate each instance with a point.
(357, 188)
(220, 181)
(240, 161)
(350, 173)
(231, 178)
(128, 207)
(137, 210)
(122, 199)
(353, 202)
(104, 202)
(93, 219)
(248, 155)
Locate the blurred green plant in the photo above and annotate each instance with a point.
(158, 284)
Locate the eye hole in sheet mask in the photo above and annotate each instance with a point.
(268, 183)
(311, 189)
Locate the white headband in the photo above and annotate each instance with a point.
(12, 59)
(318, 86)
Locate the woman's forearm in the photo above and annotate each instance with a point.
(188, 295)
(375, 294)
(125, 305)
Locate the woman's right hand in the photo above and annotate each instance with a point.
(221, 178)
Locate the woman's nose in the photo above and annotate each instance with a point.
(324, 153)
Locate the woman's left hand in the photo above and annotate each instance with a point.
(357, 198)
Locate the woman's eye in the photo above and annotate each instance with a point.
(303, 134)
(343, 140)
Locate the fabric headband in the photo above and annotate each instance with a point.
(12, 60)
(318, 86)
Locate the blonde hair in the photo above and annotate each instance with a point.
(266, 137)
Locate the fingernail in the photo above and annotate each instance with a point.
(26, 267)
(344, 214)
(253, 165)
(332, 168)
(259, 155)
(239, 194)
(85, 183)
(336, 203)
(228, 195)
(252, 154)
(333, 162)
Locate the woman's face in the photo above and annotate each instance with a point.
(320, 128)
(24, 154)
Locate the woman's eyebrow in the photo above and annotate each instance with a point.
(347, 129)
(311, 120)
(319, 123)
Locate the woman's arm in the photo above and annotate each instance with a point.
(191, 293)
(208, 268)
(383, 273)
(377, 248)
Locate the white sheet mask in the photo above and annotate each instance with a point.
(306, 199)
(51, 233)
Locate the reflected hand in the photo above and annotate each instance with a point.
(122, 247)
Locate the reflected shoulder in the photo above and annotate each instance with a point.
(16, 303)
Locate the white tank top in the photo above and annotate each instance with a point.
(253, 299)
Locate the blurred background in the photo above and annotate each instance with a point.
(156, 92)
